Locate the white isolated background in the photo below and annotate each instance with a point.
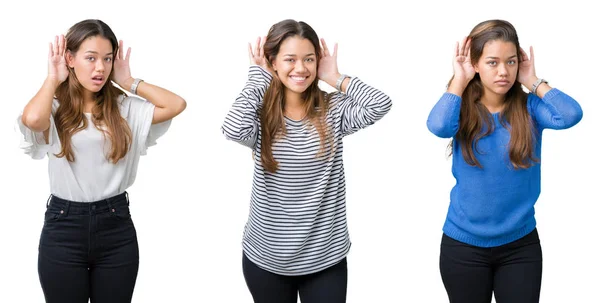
(190, 199)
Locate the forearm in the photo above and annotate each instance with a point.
(36, 114)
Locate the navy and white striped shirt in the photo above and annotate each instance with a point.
(297, 221)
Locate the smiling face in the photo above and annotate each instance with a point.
(296, 65)
(498, 67)
(92, 63)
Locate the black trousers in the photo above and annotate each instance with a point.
(88, 251)
(326, 286)
(513, 272)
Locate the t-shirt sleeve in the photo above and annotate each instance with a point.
(33, 143)
(139, 114)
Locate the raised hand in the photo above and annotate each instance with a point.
(57, 64)
(328, 69)
(527, 75)
(122, 73)
(463, 67)
(257, 55)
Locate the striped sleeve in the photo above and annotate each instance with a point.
(361, 106)
(242, 123)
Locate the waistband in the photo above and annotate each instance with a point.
(64, 206)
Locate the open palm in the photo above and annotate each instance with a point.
(121, 72)
(526, 68)
(463, 67)
(257, 54)
(57, 64)
(328, 69)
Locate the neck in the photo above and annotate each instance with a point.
(88, 101)
(293, 99)
(294, 106)
(493, 102)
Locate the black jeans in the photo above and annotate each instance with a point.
(88, 251)
(326, 286)
(513, 272)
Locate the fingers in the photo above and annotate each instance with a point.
(262, 47)
(523, 54)
(468, 48)
(456, 50)
(50, 51)
(62, 49)
(324, 48)
(55, 46)
(250, 51)
(128, 53)
(335, 47)
(531, 53)
(256, 47)
(461, 47)
(120, 52)
(464, 47)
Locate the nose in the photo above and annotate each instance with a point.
(300, 67)
(502, 70)
(99, 65)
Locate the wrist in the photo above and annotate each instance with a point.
(457, 86)
(126, 84)
(340, 79)
(332, 79)
(530, 82)
(536, 85)
(52, 81)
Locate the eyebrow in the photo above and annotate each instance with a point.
(492, 57)
(95, 52)
(294, 55)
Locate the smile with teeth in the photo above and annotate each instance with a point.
(299, 78)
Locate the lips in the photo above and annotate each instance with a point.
(298, 79)
(502, 82)
(98, 80)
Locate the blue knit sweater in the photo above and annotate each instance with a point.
(494, 205)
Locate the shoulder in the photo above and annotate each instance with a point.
(131, 105)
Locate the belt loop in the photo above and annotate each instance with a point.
(48, 201)
(67, 206)
(110, 207)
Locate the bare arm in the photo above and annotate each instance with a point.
(36, 114)
(167, 104)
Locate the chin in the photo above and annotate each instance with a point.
(94, 88)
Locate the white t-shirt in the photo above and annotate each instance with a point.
(92, 177)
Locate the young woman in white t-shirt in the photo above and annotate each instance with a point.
(93, 135)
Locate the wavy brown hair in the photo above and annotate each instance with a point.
(69, 117)
(316, 102)
(476, 121)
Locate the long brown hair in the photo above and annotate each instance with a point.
(316, 102)
(476, 121)
(69, 117)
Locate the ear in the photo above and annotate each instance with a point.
(70, 59)
(476, 67)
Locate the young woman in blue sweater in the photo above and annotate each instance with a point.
(490, 242)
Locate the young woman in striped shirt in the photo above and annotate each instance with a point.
(296, 240)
